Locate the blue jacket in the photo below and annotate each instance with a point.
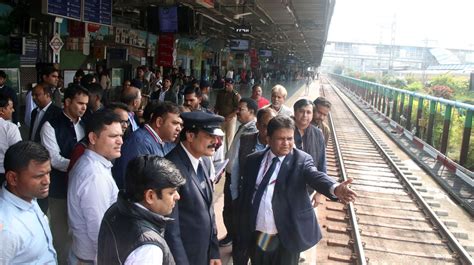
(140, 142)
(192, 236)
(294, 215)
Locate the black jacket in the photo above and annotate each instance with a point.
(192, 236)
(126, 227)
(50, 113)
(66, 139)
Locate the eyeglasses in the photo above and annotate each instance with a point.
(125, 122)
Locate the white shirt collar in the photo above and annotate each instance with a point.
(78, 120)
(194, 161)
(154, 133)
(46, 107)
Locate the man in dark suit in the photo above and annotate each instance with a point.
(46, 110)
(9, 93)
(277, 220)
(166, 92)
(192, 236)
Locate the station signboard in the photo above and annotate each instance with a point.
(71, 9)
(98, 12)
(91, 11)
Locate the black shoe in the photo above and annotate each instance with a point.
(225, 242)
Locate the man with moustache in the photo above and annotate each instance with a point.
(156, 137)
(25, 235)
(257, 96)
(278, 100)
(192, 236)
(59, 135)
(92, 188)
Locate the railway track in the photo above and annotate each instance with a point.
(390, 223)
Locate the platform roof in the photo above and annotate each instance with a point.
(291, 28)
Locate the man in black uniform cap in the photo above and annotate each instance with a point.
(192, 236)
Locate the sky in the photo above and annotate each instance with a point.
(432, 23)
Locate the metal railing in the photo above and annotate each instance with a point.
(416, 113)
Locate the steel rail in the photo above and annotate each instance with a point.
(453, 243)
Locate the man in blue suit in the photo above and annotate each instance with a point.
(156, 137)
(277, 219)
(192, 236)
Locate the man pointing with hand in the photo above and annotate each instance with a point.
(276, 219)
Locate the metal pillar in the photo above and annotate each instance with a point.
(394, 108)
(402, 102)
(379, 100)
(418, 116)
(431, 120)
(446, 125)
(466, 137)
(389, 97)
(384, 99)
(409, 111)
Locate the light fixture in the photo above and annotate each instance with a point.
(263, 21)
(297, 25)
(227, 19)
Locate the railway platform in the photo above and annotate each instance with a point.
(402, 214)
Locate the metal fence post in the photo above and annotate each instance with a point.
(409, 111)
(418, 116)
(394, 108)
(400, 109)
(446, 125)
(466, 137)
(431, 120)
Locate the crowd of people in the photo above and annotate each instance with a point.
(127, 176)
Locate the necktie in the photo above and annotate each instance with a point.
(35, 124)
(202, 179)
(261, 188)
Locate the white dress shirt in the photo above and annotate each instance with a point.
(25, 236)
(48, 140)
(39, 117)
(133, 122)
(194, 161)
(146, 254)
(265, 218)
(91, 191)
(29, 107)
(9, 135)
